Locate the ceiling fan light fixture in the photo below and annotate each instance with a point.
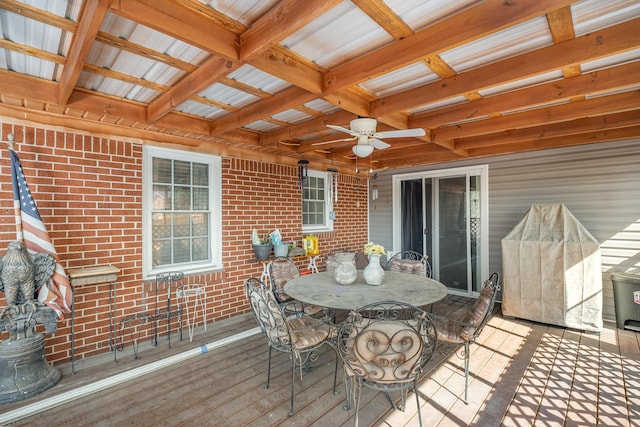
(362, 150)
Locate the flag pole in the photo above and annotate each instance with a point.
(16, 202)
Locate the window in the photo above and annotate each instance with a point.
(181, 211)
(316, 203)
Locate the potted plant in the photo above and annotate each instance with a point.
(261, 246)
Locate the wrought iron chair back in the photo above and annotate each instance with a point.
(384, 346)
(299, 335)
(465, 331)
(281, 270)
(410, 262)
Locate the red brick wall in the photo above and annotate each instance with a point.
(88, 190)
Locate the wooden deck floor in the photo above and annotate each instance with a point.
(522, 374)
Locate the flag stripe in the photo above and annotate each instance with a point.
(58, 293)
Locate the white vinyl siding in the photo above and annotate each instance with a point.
(599, 184)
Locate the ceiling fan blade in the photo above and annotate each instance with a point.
(334, 140)
(341, 129)
(376, 143)
(400, 133)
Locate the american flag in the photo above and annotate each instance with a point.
(58, 293)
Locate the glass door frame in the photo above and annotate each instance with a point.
(483, 172)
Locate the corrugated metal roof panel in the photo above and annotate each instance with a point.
(292, 116)
(612, 92)
(511, 41)
(519, 84)
(115, 87)
(340, 34)
(244, 11)
(439, 104)
(592, 15)
(201, 110)
(400, 80)
(35, 34)
(422, 13)
(262, 126)
(152, 39)
(228, 95)
(322, 106)
(610, 61)
(258, 79)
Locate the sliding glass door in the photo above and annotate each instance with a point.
(443, 214)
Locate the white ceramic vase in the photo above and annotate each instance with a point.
(373, 273)
(345, 272)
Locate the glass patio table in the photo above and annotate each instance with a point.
(322, 289)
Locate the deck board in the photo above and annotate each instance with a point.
(522, 374)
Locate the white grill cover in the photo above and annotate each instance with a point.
(552, 271)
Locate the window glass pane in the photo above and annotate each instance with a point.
(200, 249)
(181, 226)
(181, 252)
(182, 198)
(161, 170)
(161, 197)
(200, 199)
(161, 225)
(200, 174)
(200, 224)
(182, 172)
(161, 252)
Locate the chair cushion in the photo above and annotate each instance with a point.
(460, 331)
(308, 332)
(280, 274)
(477, 312)
(410, 266)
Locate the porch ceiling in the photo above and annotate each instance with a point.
(261, 79)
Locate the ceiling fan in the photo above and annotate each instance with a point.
(364, 130)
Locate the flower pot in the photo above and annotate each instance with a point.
(280, 250)
(373, 273)
(262, 251)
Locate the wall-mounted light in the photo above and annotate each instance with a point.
(374, 192)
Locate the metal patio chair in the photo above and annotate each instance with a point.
(300, 336)
(467, 329)
(384, 346)
(410, 262)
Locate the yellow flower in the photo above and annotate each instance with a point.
(372, 248)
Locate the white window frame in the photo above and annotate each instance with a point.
(328, 205)
(215, 209)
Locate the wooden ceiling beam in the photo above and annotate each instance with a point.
(558, 113)
(212, 69)
(561, 24)
(14, 84)
(340, 118)
(181, 23)
(288, 98)
(89, 22)
(599, 44)
(281, 63)
(572, 127)
(559, 141)
(604, 80)
(385, 17)
(484, 18)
